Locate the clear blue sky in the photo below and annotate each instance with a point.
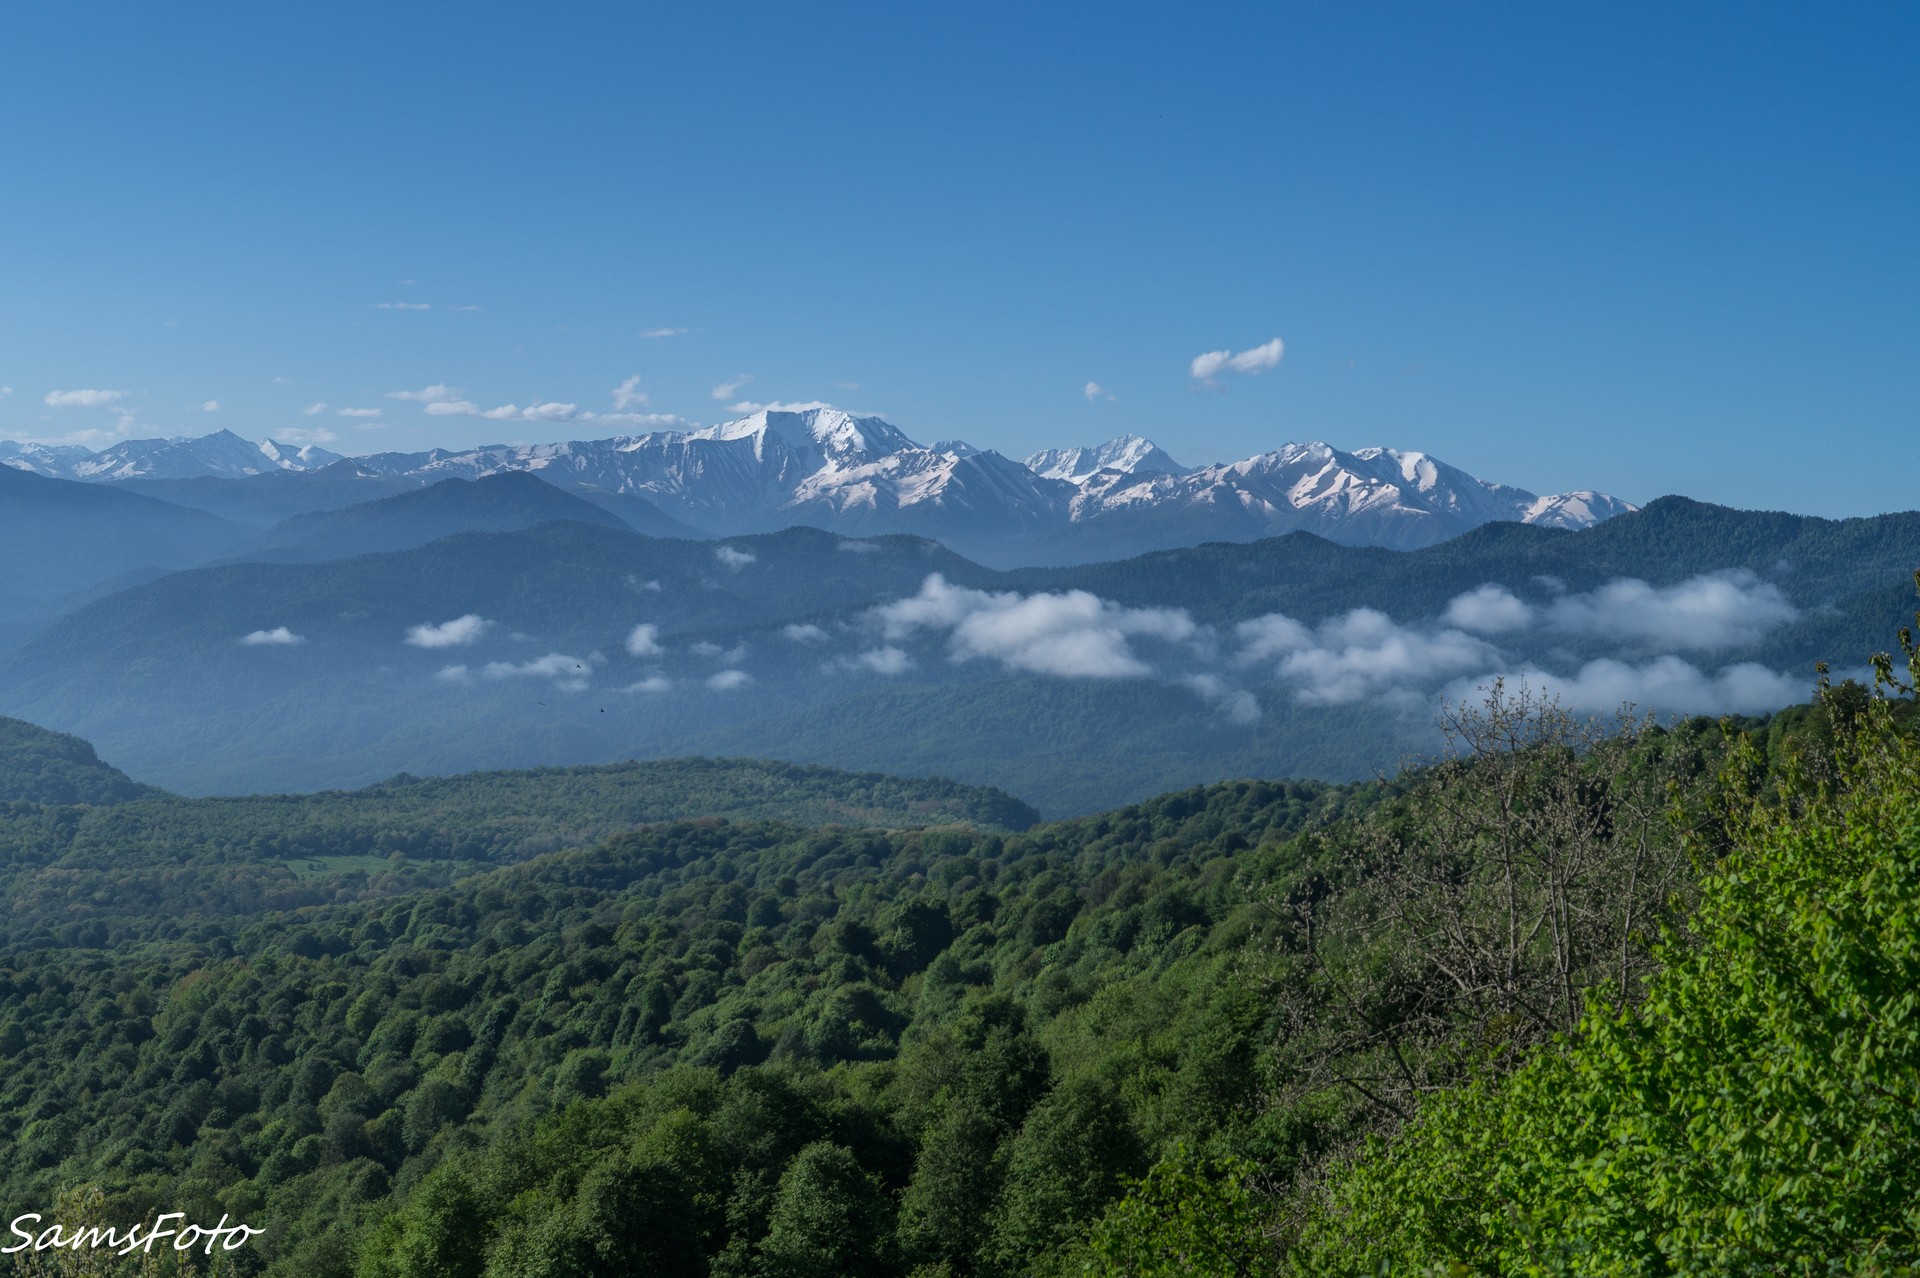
(1642, 248)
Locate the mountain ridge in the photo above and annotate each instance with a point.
(861, 474)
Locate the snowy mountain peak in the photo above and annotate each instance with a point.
(838, 438)
(1129, 454)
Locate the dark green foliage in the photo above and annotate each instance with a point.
(745, 1047)
(41, 767)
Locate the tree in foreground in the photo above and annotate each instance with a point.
(1758, 1113)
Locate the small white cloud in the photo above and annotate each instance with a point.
(653, 683)
(1711, 611)
(5, 391)
(727, 680)
(1096, 393)
(210, 406)
(1488, 610)
(848, 386)
(454, 674)
(433, 394)
(1236, 705)
(628, 395)
(82, 398)
(1074, 635)
(314, 410)
(319, 435)
(279, 636)
(656, 333)
(795, 406)
(731, 387)
(1362, 654)
(1255, 359)
(402, 306)
(569, 673)
(644, 640)
(887, 661)
(457, 633)
(360, 412)
(726, 656)
(734, 559)
(468, 307)
(805, 633)
(439, 403)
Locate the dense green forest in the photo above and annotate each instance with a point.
(1571, 998)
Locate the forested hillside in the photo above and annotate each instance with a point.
(1235, 1030)
(767, 1049)
(41, 767)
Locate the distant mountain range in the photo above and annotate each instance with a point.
(862, 476)
(558, 636)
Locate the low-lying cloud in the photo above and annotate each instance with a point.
(1701, 614)
(1362, 654)
(1074, 635)
(732, 558)
(1668, 684)
(457, 633)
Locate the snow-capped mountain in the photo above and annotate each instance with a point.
(223, 455)
(1372, 496)
(864, 476)
(1129, 454)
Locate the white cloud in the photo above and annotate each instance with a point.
(848, 386)
(807, 633)
(5, 391)
(727, 680)
(319, 435)
(1073, 635)
(1254, 359)
(569, 673)
(433, 394)
(628, 395)
(457, 633)
(360, 412)
(1236, 705)
(82, 398)
(1711, 611)
(644, 640)
(778, 406)
(654, 333)
(731, 387)
(1095, 392)
(1667, 685)
(651, 684)
(726, 656)
(442, 402)
(279, 636)
(468, 307)
(314, 410)
(734, 559)
(1361, 654)
(1488, 610)
(210, 406)
(887, 661)
(402, 306)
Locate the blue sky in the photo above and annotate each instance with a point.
(1641, 248)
